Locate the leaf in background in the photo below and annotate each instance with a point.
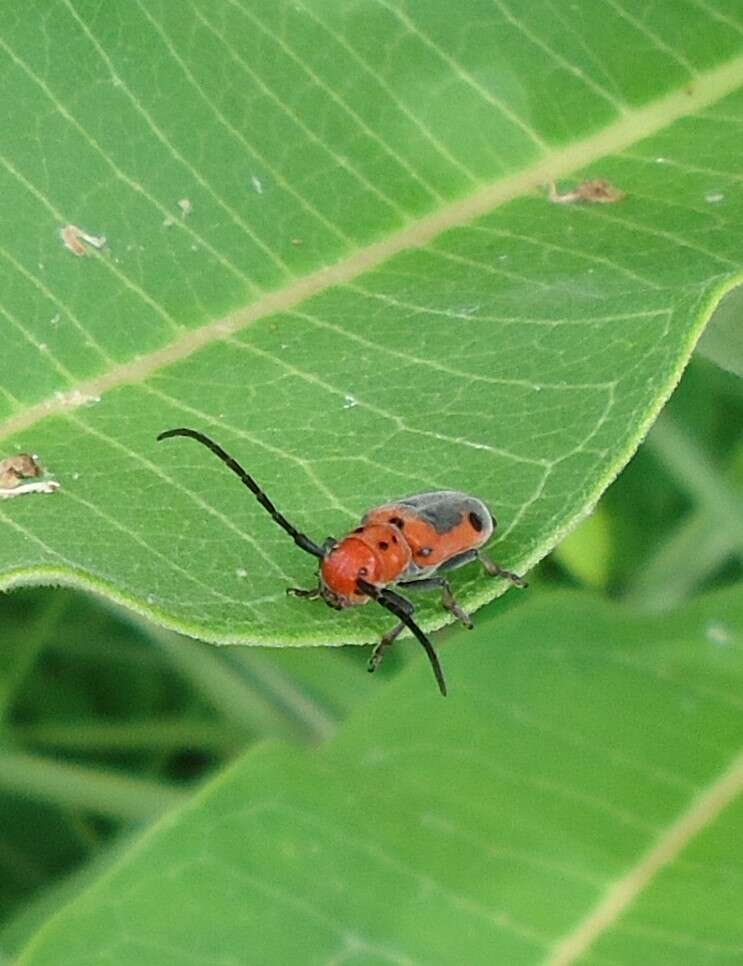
(326, 245)
(586, 552)
(104, 720)
(575, 793)
(722, 340)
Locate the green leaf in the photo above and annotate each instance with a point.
(326, 245)
(574, 794)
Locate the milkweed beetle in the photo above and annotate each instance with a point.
(408, 542)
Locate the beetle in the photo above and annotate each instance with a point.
(410, 543)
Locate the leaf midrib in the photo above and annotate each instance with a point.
(632, 126)
(703, 810)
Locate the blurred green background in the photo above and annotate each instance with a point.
(106, 721)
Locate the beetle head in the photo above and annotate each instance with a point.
(342, 566)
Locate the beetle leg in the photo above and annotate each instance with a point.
(402, 608)
(300, 592)
(447, 597)
(494, 570)
(378, 653)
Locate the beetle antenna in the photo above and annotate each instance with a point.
(301, 539)
(402, 609)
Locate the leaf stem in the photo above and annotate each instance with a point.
(696, 475)
(236, 698)
(105, 792)
(155, 734)
(242, 687)
(318, 723)
(690, 553)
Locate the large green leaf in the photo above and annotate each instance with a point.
(364, 291)
(575, 795)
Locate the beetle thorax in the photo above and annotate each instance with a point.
(376, 553)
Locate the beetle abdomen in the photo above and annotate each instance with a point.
(437, 526)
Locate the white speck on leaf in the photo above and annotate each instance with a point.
(43, 486)
(257, 185)
(350, 402)
(186, 207)
(713, 197)
(241, 573)
(75, 398)
(717, 633)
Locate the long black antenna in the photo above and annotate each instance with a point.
(401, 608)
(301, 539)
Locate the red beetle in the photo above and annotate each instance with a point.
(408, 542)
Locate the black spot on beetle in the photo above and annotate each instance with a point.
(476, 522)
(359, 530)
(394, 538)
(397, 522)
(383, 545)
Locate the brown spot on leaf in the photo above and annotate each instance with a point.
(596, 191)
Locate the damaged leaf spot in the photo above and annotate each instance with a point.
(15, 470)
(74, 237)
(593, 192)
